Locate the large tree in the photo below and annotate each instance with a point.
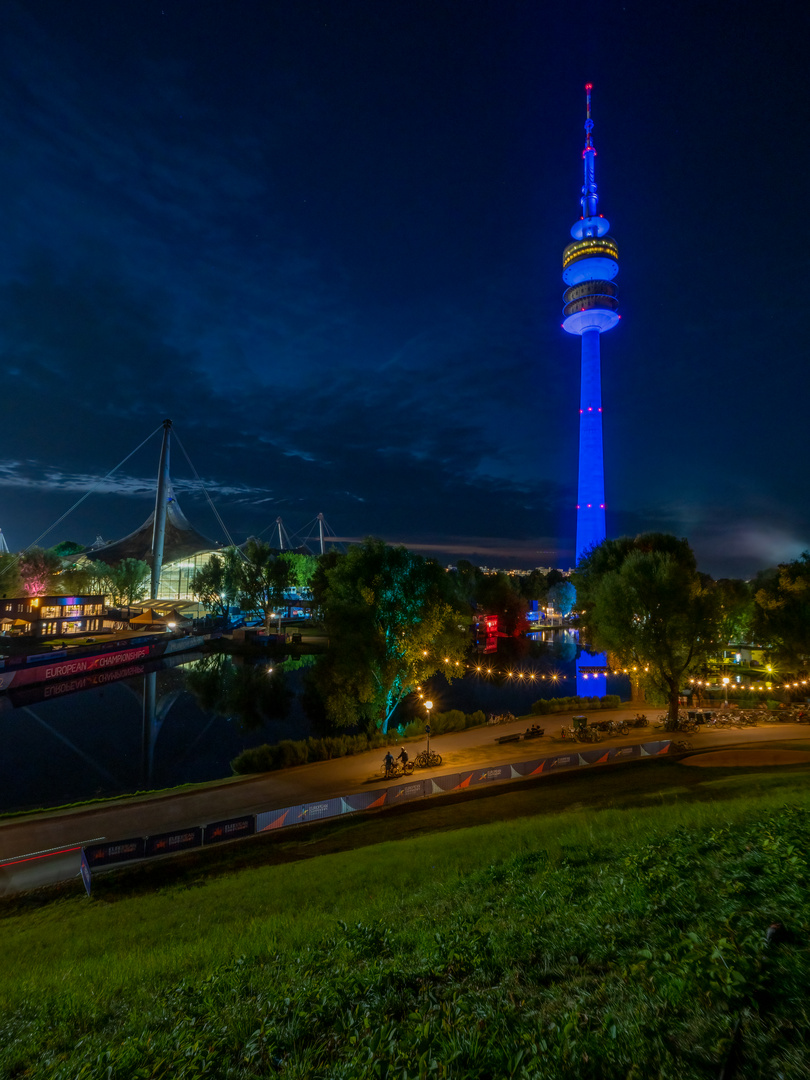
(217, 584)
(10, 581)
(263, 578)
(392, 623)
(128, 581)
(643, 601)
(782, 611)
(38, 570)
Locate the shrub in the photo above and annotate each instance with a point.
(291, 753)
(298, 752)
(569, 704)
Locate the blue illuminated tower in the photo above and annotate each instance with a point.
(590, 264)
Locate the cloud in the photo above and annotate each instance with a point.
(29, 476)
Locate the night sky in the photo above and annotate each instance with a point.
(324, 237)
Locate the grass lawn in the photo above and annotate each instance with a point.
(601, 925)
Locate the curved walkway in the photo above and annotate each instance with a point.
(35, 834)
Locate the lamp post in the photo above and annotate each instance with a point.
(725, 691)
(428, 707)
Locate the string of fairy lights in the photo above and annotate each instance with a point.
(460, 668)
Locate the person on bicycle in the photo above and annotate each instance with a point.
(388, 761)
(403, 756)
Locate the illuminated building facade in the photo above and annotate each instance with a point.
(590, 264)
(51, 616)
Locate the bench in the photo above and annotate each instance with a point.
(534, 734)
(508, 738)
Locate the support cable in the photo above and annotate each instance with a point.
(228, 536)
(78, 503)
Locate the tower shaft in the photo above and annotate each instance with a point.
(591, 481)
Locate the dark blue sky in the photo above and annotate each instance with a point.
(325, 238)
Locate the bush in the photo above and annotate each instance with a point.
(569, 704)
(291, 752)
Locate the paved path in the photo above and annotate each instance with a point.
(149, 814)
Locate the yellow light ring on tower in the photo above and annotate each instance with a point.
(593, 247)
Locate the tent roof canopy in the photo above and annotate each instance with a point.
(181, 540)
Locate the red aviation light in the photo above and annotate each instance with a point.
(588, 86)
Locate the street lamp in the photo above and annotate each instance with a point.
(428, 707)
(725, 690)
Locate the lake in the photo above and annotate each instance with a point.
(183, 720)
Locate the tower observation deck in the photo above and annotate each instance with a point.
(590, 264)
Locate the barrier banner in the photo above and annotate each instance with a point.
(416, 789)
(562, 761)
(115, 852)
(180, 840)
(449, 782)
(230, 829)
(274, 819)
(652, 749)
(620, 753)
(365, 800)
(485, 776)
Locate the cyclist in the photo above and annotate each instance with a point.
(403, 756)
(388, 762)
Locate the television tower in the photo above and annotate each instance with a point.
(590, 264)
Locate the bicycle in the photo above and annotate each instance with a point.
(427, 760)
(390, 772)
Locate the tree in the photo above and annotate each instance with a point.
(38, 570)
(302, 568)
(128, 581)
(736, 599)
(67, 548)
(263, 578)
(643, 601)
(392, 623)
(217, 584)
(563, 596)
(782, 611)
(10, 581)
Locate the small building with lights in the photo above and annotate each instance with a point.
(51, 616)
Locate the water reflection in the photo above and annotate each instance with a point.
(183, 719)
(177, 721)
(252, 693)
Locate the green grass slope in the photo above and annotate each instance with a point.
(621, 939)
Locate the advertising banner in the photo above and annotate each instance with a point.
(487, 776)
(179, 840)
(115, 852)
(448, 782)
(653, 749)
(416, 789)
(230, 829)
(364, 800)
(274, 819)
